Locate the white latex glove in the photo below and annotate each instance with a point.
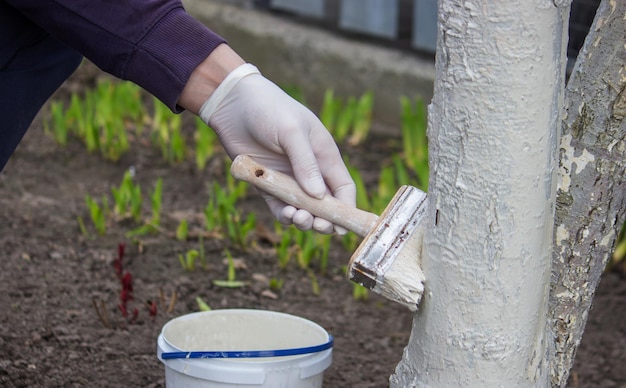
(253, 116)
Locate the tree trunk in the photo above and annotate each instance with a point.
(591, 196)
(493, 150)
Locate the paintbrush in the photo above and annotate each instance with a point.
(388, 259)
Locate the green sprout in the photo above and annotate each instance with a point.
(206, 140)
(307, 248)
(156, 201)
(100, 118)
(315, 287)
(344, 120)
(182, 231)
(330, 110)
(221, 214)
(166, 133)
(359, 292)
(154, 223)
(276, 284)
(414, 140)
(231, 279)
(283, 248)
(58, 128)
(97, 214)
(127, 198)
(202, 305)
(350, 120)
(201, 250)
(362, 119)
(81, 226)
(188, 261)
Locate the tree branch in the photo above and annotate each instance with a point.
(591, 195)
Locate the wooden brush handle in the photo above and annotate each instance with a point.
(288, 190)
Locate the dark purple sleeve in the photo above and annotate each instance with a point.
(153, 43)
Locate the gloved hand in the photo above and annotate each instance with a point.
(253, 116)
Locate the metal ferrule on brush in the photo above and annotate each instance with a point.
(380, 249)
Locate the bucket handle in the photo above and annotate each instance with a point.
(250, 353)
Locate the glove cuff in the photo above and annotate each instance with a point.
(212, 103)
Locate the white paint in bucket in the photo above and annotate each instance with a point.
(231, 330)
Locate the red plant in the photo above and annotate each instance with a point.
(152, 308)
(127, 282)
(118, 264)
(126, 293)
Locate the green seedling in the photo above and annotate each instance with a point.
(97, 214)
(160, 133)
(201, 250)
(182, 231)
(315, 287)
(330, 110)
(154, 223)
(323, 241)
(202, 305)
(81, 226)
(100, 118)
(211, 218)
(414, 140)
(362, 199)
(206, 140)
(58, 127)
(386, 189)
(362, 119)
(276, 284)
(128, 102)
(283, 248)
(127, 198)
(188, 261)
(351, 120)
(231, 278)
(344, 121)
(359, 292)
(222, 214)
(156, 201)
(402, 174)
(142, 230)
(307, 248)
(109, 118)
(236, 189)
(239, 230)
(166, 133)
(178, 146)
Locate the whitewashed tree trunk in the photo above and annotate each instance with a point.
(591, 196)
(493, 149)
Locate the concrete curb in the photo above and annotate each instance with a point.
(314, 60)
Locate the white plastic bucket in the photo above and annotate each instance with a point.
(235, 342)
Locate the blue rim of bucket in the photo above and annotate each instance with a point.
(250, 353)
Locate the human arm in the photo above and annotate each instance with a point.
(153, 43)
(157, 45)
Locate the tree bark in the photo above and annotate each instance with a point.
(493, 149)
(591, 196)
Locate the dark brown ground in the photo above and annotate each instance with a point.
(51, 336)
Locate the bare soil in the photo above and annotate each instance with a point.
(52, 336)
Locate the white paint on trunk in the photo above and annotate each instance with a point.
(493, 148)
